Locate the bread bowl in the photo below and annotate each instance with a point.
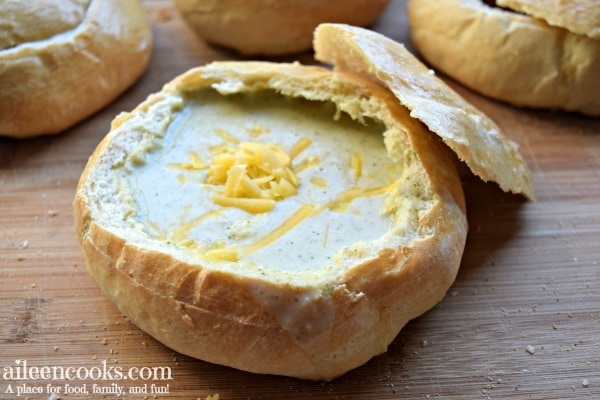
(307, 282)
(62, 60)
(271, 27)
(549, 59)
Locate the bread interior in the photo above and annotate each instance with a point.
(355, 193)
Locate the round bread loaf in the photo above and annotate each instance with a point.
(272, 27)
(510, 56)
(62, 60)
(308, 282)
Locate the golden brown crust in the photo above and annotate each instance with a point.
(272, 27)
(578, 16)
(52, 83)
(273, 324)
(508, 56)
(474, 137)
(28, 21)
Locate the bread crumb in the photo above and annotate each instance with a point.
(52, 213)
(530, 349)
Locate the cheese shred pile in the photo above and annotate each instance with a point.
(254, 176)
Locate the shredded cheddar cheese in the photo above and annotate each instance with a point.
(254, 206)
(223, 254)
(195, 164)
(234, 253)
(256, 130)
(228, 137)
(298, 216)
(356, 164)
(299, 147)
(318, 182)
(253, 175)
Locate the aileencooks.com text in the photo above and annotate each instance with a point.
(21, 371)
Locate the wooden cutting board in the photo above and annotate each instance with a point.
(521, 321)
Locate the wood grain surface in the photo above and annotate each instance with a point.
(521, 321)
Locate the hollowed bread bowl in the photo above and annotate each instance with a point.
(187, 225)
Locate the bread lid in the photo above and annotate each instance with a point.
(578, 16)
(474, 137)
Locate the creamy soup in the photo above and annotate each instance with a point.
(335, 175)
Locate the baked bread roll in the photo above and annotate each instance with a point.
(303, 216)
(515, 57)
(272, 27)
(312, 288)
(62, 60)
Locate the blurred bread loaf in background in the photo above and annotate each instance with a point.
(539, 54)
(63, 60)
(272, 27)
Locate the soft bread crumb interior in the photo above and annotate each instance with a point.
(356, 193)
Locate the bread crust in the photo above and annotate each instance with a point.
(508, 56)
(34, 20)
(275, 324)
(50, 84)
(272, 27)
(578, 16)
